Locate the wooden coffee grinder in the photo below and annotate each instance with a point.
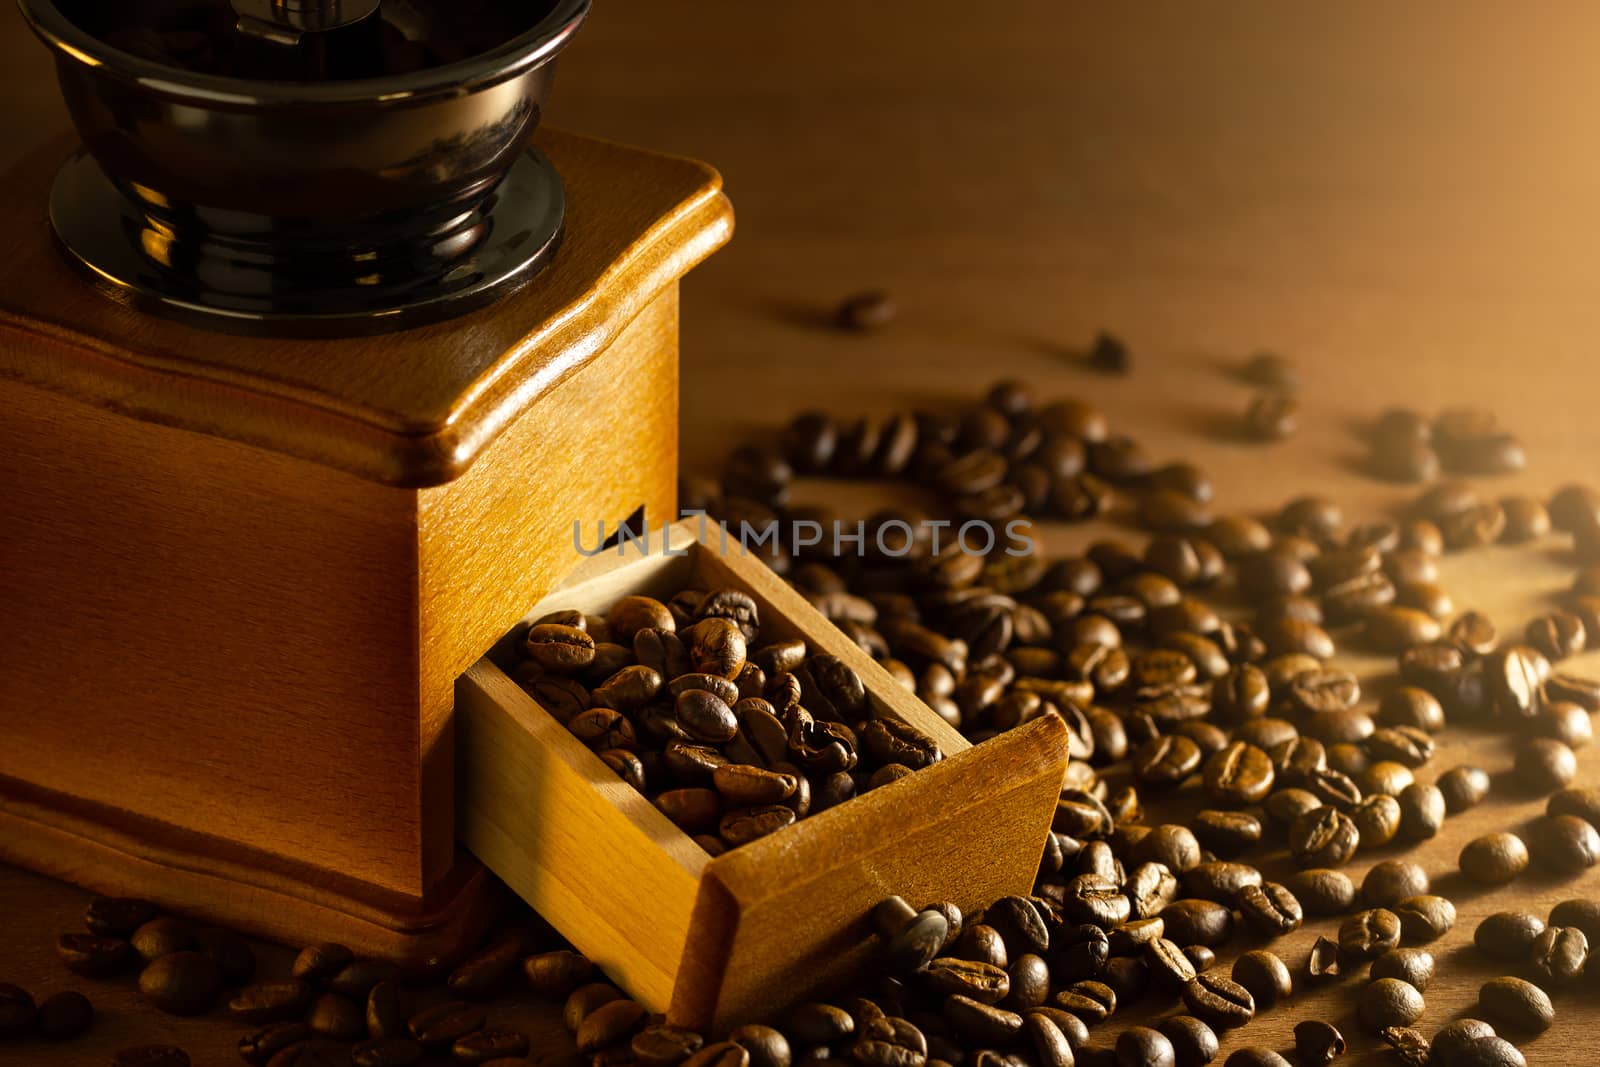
(370, 347)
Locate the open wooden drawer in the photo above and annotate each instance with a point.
(715, 942)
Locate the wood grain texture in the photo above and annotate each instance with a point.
(414, 408)
(1400, 197)
(718, 942)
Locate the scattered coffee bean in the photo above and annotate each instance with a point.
(1390, 1002)
(1369, 934)
(1219, 1002)
(1559, 954)
(1265, 976)
(1495, 858)
(1508, 935)
(1255, 1056)
(1516, 1005)
(1142, 1046)
(182, 983)
(1463, 787)
(1564, 844)
(1425, 918)
(1322, 891)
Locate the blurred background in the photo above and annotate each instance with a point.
(1400, 197)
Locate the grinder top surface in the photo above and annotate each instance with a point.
(414, 408)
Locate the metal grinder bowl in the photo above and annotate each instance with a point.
(282, 204)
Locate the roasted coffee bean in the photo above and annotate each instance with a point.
(661, 1045)
(1150, 887)
(259, 1048)
(1377, 819)
(1394, 629)
(1226, 833)
(1270, 909)
(162, 937)
(1557, 635)
(1564, 844)
(1165, 761)
(1141, 1046)
(1463, 787)
(1559, 954)
(1584, 802)
(1512, 678)
(151, 1056)
(485, 973)
(338, 1017)
(891, 741)
(1508, 935)
(1194, 1044)
(1167, 963)
(268, 1002)
(1265, 976)
(986, 983)
(1389, 1002)
(1089, 1000)
(1585, 692)
(1322, 891)
(443, 1024)
(983, 944)
(1544, 765)
(1425, 917)
(731, 1054)
(1566, 723)
(1220, 880)
(1030, 984)
(1286, 805)
(182, 983)
(554, 975)
(1386, 777)
(1490, 1052)
(1422, 811)
(1019, 923)
(1391, 881)
(767, 1047)
(606, 1025)
(1169, 844)
(1453, 1037)
(355, 980)
(744, 825)
(1516, 1005)
(558, 648)
(1369, 934)
(1494, 859)
(1582, 913)
(1290, 636)
(390, 1052)
(1322, 965)
(917, 942)
(1091, 898)
(95, 956)
(1323, 837)
(1239, 775)
(1219, 1002)
(1412, 708)
(1198, 922)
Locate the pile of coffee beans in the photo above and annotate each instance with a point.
(731, 736)
(1197, 660)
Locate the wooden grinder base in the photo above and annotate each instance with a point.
(241, 575)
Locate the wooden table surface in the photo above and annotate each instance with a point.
(1400, 197)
